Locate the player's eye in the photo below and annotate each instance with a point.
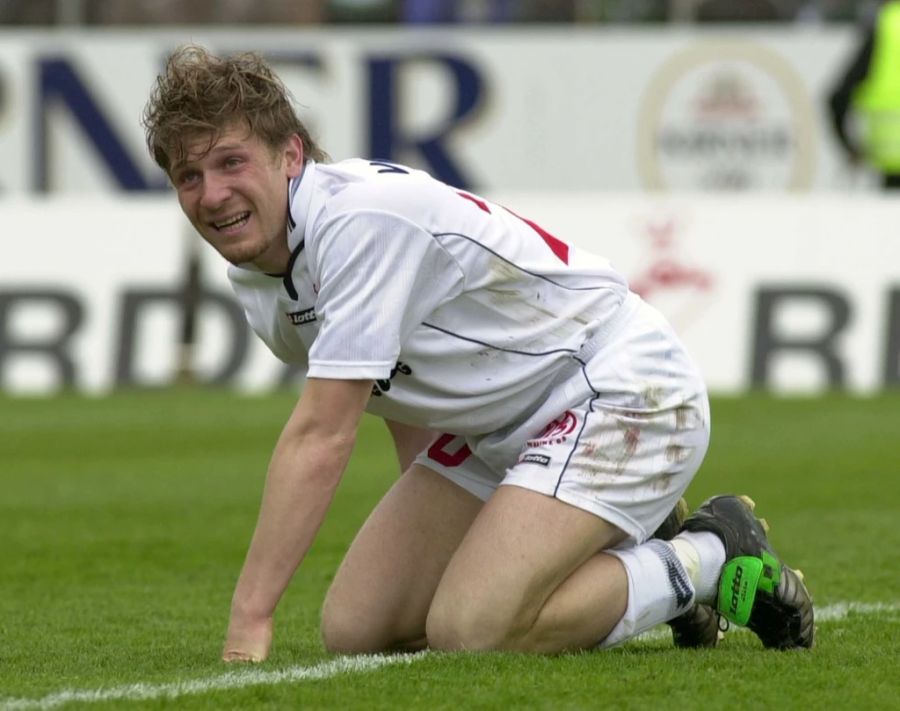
(187, 177)
(233, 162)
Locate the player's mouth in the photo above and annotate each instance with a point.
(233, 223)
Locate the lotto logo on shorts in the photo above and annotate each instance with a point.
(556, 432)
(540, 459)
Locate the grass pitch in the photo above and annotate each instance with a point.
(125, 520)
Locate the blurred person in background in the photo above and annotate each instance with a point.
(148, 12)
(170, 12)
(488, 11)
(626, 10)
(546, 420)
(737, 11)
(865, 102)
(28, 12)
(362, 11)
(836, 10)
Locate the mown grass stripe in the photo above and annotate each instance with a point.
(342, 665)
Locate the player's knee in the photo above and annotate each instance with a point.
(454, 625)
(343, 635)
(364, 625)
(345, 630)
(337, 637)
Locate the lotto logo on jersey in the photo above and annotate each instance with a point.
(557, 431)
(298, 318)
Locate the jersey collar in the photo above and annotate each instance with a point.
(300, 192)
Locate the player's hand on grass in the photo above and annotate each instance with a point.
(249, 639)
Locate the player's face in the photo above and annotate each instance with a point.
(235, 194)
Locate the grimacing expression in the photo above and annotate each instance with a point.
(234, 192)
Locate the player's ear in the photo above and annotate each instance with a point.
(293, 156)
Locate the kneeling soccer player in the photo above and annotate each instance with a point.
(574, 417)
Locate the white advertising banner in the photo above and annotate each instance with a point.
(781, 293)
(483, 109)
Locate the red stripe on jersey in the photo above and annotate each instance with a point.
(559, 248)
(481, 203)
(556, 245)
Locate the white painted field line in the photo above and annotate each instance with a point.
(840, 610)
(342, 665)
(232, 680)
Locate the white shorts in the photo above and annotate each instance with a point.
(622, 440)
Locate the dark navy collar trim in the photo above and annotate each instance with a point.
(288, 275)
(293, 187)
(292, 223)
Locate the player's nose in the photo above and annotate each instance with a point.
(215, 191)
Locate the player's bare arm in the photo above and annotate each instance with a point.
(409, 440)
(304, 472)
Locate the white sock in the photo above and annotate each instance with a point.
(702, 554)
(658, 589)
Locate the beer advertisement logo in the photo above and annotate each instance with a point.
(726, 117)
(668, 276)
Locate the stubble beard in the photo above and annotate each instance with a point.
(253, 251)
(242, 252)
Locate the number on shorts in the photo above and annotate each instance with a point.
(449, 459)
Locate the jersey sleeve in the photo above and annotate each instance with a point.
(378, 277)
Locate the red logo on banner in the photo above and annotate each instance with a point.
(557, 431)
(667, 268)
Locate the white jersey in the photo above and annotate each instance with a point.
(464, 313)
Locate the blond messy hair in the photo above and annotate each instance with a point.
(200, 94)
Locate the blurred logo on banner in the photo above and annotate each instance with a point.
(667, 275)
(730, 116)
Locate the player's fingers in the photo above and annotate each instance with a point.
(247, 640)
(236, 655)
